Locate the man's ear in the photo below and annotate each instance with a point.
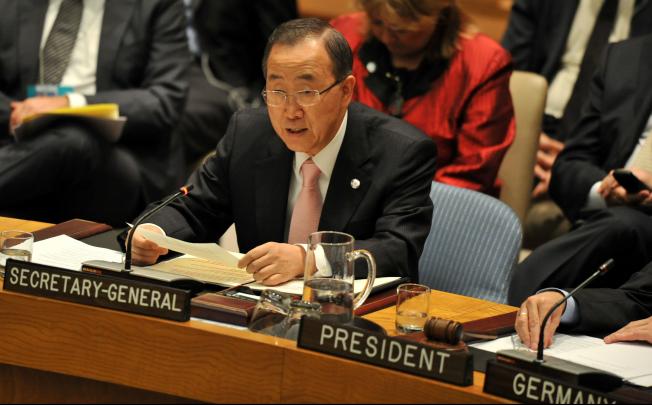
(348, 86)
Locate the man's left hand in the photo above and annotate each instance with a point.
(633, 331)
(274, 263)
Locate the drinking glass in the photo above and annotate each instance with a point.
(412, 306)
(15, 245)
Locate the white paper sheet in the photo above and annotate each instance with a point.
(68, 253)
(208, 251)
(631, 361)
(203, 270)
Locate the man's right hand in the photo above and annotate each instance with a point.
(615, 194)
(549, 148)
(143, 251)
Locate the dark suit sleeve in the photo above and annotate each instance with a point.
(154, 105)
(579, 166)
(520, 36)
(605, 310)
(404, 223)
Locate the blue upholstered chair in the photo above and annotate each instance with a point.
(472, 246)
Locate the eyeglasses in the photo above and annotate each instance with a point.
(305, 98)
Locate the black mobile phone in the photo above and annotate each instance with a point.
(629, 181)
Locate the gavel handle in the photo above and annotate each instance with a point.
(471, 336)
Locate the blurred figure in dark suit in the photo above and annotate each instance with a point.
(129, 52)
(614, 132)
(562, 40)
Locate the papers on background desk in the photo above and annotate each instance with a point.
(631, 361)
(209, 251)
(68, 253)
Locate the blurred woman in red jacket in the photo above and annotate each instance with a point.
(417, 60)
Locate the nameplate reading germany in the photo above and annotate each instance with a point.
(398, 354)
(102, 291)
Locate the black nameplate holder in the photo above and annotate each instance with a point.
(147, 275)
(399, 354)
(104, 291)
(510, 380)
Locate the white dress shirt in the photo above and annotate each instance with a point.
(81, 73)
(325, 161)
(586, 15)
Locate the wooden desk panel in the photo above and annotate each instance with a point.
(190, 360)
(7, 224)
(196, 360)
(353, 382)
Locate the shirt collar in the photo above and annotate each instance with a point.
(325, 159)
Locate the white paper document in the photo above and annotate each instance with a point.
(68, 253)
(204, 270)
(209, 251)
(631, 361)
(214, 273)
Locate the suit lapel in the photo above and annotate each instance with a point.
(117, 15)
(273, 170)
(342, 198)
(31, 16)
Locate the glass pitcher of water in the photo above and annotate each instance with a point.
(329, 275)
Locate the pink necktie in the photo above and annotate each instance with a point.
(307, 208)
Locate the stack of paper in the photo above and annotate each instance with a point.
(631, 361)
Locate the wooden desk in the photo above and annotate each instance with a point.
(7, 224)
(54, 351)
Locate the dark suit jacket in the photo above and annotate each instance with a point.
(612, 122)
(141, 66)
(604, 310)
(247, 182)
(538, 30)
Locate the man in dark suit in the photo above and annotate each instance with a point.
(130, 52)
(562, 41)
(615, 124)
(592, 310)
(374, 178)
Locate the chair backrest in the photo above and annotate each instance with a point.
(473, 244)
(528, 92)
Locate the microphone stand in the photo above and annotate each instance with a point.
(605, 267)
(183, 191)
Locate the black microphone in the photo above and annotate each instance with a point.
(605, 267)
(183, 191)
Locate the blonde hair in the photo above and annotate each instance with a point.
(450, 21)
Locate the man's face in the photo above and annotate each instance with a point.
(306, 66)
